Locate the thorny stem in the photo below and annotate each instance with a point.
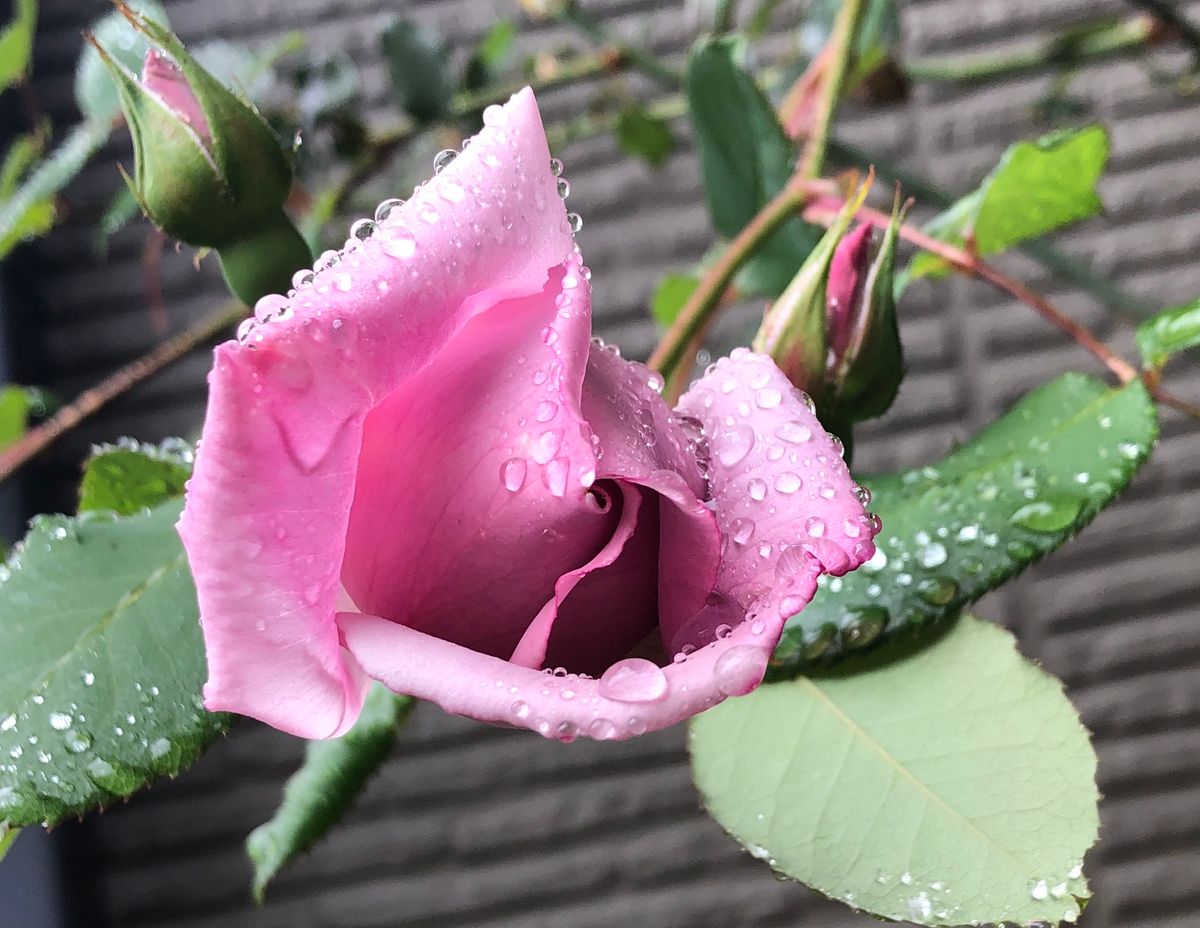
(841, 50)
(705, 299)
(826, 210)
(97, 397)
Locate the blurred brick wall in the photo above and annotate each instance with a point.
(469, 825)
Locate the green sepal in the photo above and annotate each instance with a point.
(1168, 333)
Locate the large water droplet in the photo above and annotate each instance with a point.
(399, 243)
(932, 555)
(863, 626)
(547, 445)
(739, 670)
(758, 489)
(787, 482)
(1047, 515)
(796, 433)
(602, 729)
(732, 445)
(512, 474)
(443, 158)
(634, 680)
(741, 531)
(937, 591)
(60, 721)
(384, 209)
(556, 476)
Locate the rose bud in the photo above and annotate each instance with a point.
(418, 467)
(209, 170)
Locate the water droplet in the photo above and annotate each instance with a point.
(78, 741)
(932, 555)
(787, 482)
(732, 445)
(1047, 515)
(758, 489)
(634, 680)
(443, 158)
(938, 591)
(574, 221)
(1058, 890)
(495, 116)
(399, 243)
(862, 627)
(862, 494)
(384, 209)
(60, 721)
(547, 445)
(546, 410)
(739, 670)
(815, 526)
(302, 278)
(920, 907)
(512, 474)
(564, 188)
(1076, 871)
(556, 474)
(602, 729)
(741, 531)
(9, 723)
(566, 732)
(851, 528)
(362, 230)
(160, 748)
(1039, 891)
(521, 709)
(768, 398)
(796, 433)
(556, 167)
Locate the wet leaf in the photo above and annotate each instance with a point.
(1174, 330)
(956, 529)
(952, 785)
(130, 476)
(1037, 187)
(317, 795)
(103, 664)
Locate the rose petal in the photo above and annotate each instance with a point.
(268, 506)
(847, 273)
(778, 478)
(471, 498)
(642, 441)
(162, 77)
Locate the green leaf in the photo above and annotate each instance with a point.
(29, 211)
(954, 786)
(104, 662)
(16, 43)
(745, 159)
(317, 795)
(670, 295)
(95, 91)
(16, 405)
(644, 136)
(419, 65)
(1036, 188)
(21, 157)
(130, 476)
(8, 834)
(491, 57)
(954, 530)
(1170, 332)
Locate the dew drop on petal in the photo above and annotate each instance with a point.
(787, 482)
(634, 679)
(732, 445)
(384, 209)
(741, 531)
(796, 433)
(758, 489)
(602, 729)
(512, 474)
(739, 670)
(556, 476)
(768, 398)
(443, 158)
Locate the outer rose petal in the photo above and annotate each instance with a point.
(162, 77)
(269, 504)
(471, 498)
(783, 492)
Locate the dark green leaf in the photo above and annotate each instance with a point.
(95, 92)
(30, 209)
(419, 65)
(491, 57)
(16, 43)
(1168, 333)
(130, 476)
(317, 795)
(104, 662)
(1036, 188)
(745, 159)
(957, 529)
(950, 786)
(644, 136)
(672, 292)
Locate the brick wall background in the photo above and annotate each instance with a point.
(469, 825)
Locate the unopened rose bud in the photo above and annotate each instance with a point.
(209, 169)
(847, 272)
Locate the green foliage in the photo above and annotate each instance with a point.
(1037, 187)
(1169, 333)
(317, 795)
(8, 834)
(950, 786)
(95, 92)
(16, 406)
(129, 476)
(644, 136)
(745, 159)
(957, 529)
(491, 57)
(16, 43)
(103, 663)
(29, 210)
(670, 296)
(419, 65)
(877, 38)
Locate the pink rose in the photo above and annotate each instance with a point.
(162, 77)
(419, 468)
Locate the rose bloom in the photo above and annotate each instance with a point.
(418, 467)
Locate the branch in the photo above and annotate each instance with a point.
(839, 51)
(92, 400)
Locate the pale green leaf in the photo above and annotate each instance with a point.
(670, 295)
(1169, 333)
(104, 663)
(317, 795)
(16, 404)
(130, 476)
(1037, 187)
(956, 529)
(16, 43)
(953, 785)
